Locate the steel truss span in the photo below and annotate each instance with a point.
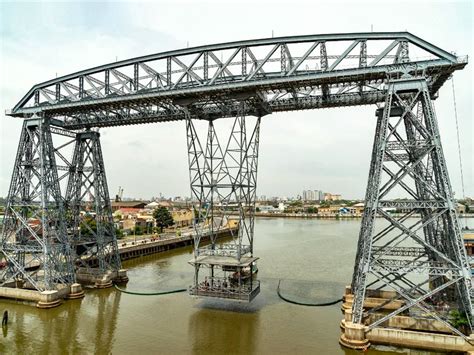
(280, 74)
(418, 255)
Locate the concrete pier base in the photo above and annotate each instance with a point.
(101, 279)
(75, 293)
(354, 337)
(49, 299)
(42, 299)
(121, 277)
(400, 330)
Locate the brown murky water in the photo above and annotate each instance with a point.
(302, 252)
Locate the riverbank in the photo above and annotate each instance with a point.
(333, 216)
(152, 244)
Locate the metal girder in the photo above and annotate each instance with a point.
(426, 241)
(84, 94)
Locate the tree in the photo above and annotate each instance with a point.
(119, 233)
(88, 226)
(459, 320)
(163, 217)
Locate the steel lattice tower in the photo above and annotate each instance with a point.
(418, 254)
(90, 219)
(34, 238)
(224, 180)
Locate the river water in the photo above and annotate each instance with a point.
(314, 258)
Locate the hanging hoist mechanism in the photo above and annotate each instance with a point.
(223, 181)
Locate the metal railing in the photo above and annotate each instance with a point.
(221, 287)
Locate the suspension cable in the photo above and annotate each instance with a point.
(459, 140)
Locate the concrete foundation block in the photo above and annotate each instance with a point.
(96, 278)
(49, 299)
(75, 292)
(121, 277)
(354, 336)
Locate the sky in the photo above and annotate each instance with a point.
(325, 149)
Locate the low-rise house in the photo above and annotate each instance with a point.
(267, 209)
(182, 218)
(116, 205)
(329, 210)
(359, 208)
(125, 213)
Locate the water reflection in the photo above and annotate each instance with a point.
(66, 329)
(214, 331)
(106, 323)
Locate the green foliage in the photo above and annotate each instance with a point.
(311, 210)
(138, 230)
(163, 217)
(458, 320)
(88, 226)
(119, 233)
(296, 203)
(257, 209)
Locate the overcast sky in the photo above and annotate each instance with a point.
(320, 149)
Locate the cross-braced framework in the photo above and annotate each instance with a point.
(418, 254)
(224, 181)
(90, 212)
(34, 238)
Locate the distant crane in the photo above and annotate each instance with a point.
(119, 195)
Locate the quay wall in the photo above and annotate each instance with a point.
(130, 250)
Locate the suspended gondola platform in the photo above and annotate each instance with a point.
(230, 277)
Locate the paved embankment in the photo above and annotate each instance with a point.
(133, 249)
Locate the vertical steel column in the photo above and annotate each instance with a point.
(324, 67)
(419, 253)
(34, 238)
(87, 197)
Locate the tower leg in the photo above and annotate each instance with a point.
(414, 263)
(94, 240)
(34, 238)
